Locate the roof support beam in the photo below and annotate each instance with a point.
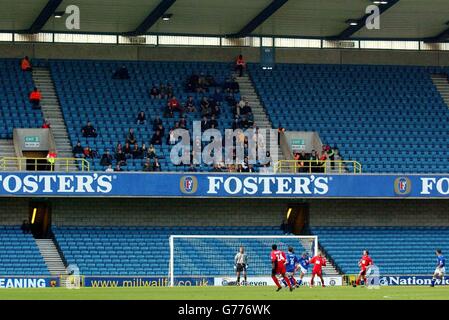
(43, 17)
(441, 37)
(152, 18)
(349, 31)
(259, 19)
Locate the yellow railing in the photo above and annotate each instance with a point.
(312, 166)
(41, 164)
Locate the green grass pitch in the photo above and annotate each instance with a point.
(229, 293)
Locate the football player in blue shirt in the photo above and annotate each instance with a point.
(304, 263)
(291, 265)
(441, 269)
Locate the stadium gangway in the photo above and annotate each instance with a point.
(42, 164)
(312, 166)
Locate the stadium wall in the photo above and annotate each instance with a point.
(379, 213)
(283, 55)
(221, 212)
(152, 212)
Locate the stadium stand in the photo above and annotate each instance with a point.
(19, 254)
(15, 108)
(87, 91)
(395, 250)
(145, 250)
(389, 118)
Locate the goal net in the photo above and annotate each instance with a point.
(207, 256)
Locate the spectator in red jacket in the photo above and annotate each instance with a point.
(89, 152)
(25, 64)
(51, 159)
(46, 124)
(323, 161)
(240, 65)
(35, 98)
(174, 105)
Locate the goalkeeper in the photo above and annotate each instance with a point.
(241, 264)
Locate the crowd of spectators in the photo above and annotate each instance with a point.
(317, 162)
(206, 102)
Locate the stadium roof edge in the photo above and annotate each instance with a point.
(259, 19)
(350, 30)
(152, 18)
(43, 16)
(441, 37)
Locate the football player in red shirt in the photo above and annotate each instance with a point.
(278, 261)
(318, 263)
(364, 263)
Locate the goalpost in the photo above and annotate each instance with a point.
(213, 255)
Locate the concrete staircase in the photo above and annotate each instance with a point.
(51, 111)
(329, 269)
(7, 150)
(261, 118)
(442, 84)
(51, 257)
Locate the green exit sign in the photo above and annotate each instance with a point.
(298, 144)
(32, 142)
(32, 139)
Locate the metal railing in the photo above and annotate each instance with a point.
(313, 166)
(42, 164)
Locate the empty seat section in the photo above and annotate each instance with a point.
(15, 109)
(19, 254)
(386, 117)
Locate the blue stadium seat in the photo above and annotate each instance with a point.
(19, 254)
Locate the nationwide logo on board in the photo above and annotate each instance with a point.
(402, 186)
(188, 184)
(404, 280)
